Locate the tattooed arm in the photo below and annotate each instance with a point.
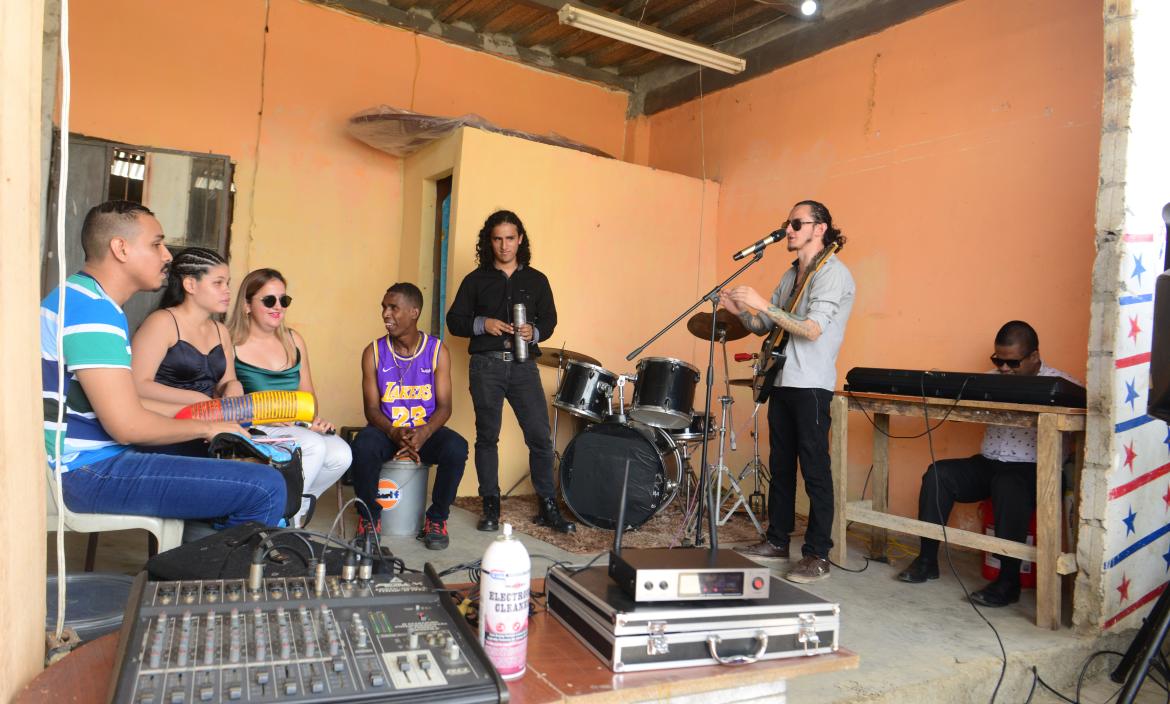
(794, 324)
(745, 299)
(751, 320)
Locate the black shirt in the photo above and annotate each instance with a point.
(490, 293)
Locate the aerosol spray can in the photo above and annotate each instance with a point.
(519, 344)
(505, 575)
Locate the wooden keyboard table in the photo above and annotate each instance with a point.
(1051, 424)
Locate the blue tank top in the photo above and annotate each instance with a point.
(407, 384)
(185, 367)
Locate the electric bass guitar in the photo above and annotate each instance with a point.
(772, 352)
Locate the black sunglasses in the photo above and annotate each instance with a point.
(795, 225)
(1011, 363)
(269, 301)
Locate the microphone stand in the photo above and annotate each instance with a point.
(713, 297)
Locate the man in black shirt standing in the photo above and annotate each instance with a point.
(481, 310)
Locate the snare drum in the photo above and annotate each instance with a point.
(585, 391)
(664, 394)
(594, 465)
(694, 431)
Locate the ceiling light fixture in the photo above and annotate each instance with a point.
(609, 25)
(805, 10)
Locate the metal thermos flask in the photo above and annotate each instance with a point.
(519, 344)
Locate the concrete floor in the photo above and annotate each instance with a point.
(918, 643)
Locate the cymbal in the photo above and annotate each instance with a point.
(743, 382)
(727, 325)
(558, 357)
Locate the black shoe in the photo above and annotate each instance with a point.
(998, 593)
(434, 535)
(490, 522)
(551, 516)
(919, 571)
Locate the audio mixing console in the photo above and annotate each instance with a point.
(387, 638)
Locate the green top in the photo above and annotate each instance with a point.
(254, 378)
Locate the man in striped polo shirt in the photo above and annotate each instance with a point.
(92, 439)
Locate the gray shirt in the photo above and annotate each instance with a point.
(828, 300)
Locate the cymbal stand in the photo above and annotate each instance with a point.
(561, 366)
(721, 471)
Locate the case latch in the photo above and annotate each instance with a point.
(656, 644)
(806, 632)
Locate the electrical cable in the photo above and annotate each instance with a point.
(946, 541)
(58, 436)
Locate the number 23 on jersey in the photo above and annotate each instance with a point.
(413, 416)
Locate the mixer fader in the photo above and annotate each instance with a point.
(387, 638)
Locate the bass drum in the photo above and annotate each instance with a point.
(594, 464)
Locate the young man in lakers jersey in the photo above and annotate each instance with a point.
(406, 394)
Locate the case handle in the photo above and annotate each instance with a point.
(714, 640)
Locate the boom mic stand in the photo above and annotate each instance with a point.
(713, 297)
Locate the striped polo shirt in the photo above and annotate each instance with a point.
(96, 336)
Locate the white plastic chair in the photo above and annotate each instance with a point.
(166, 532)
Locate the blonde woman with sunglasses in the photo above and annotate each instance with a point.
(272, 357)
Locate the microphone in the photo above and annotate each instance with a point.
(775, 236)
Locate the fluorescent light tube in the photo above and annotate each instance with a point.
(621, 29)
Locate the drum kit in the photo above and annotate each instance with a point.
(654, 427)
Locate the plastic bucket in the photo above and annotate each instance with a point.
(991, 562)
(94, 603)
(402, 493)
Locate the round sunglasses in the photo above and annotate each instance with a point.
(270, 300)
(795, 225)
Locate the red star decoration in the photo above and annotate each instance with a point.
(1130, 455)
(1123, 588)
(1134, 328)
(1166, 497)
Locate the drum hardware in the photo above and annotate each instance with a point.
(715, 333)
(754, 504)
(620, 416)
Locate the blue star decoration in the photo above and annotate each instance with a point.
(1128, 521)
(1166, 442)
(1166, 557)
(1131, 393)
(1138, 269)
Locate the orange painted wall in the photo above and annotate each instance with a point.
(311, 201)
(959, 153)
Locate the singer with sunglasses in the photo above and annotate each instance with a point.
(1004, 471)
(811, 305)
(270, 356)
(483, 310)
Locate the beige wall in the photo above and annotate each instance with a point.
(22, 460)
(620, 244)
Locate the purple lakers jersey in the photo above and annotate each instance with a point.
(407, 384)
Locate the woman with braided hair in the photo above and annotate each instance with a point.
(181, 353)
